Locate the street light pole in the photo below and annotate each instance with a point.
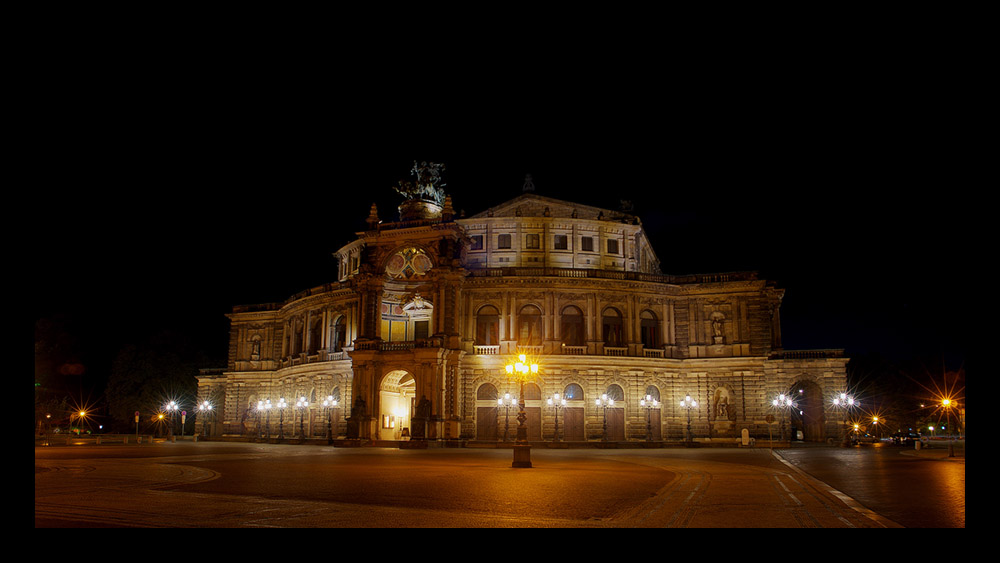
(557, 403)
(649, 403)
(784, 404)
(205, 408)
(687, 404)
(329, 404)
(843, 402)
(506, 402)
(522, 370)
(604, 403)
(281, 418)
(302, 404)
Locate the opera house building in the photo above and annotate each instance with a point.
(408, 344)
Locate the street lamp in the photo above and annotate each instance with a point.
(80, 415)
(281, 418)
(329, 404)
(783, 403)
(947, 404)
(205, 408)
(557, 403)
(265, 406)
(171, 408)
(844, 402)
(522, 370)
(604, 403)
(687, 404)
(301, 405)
(649, 403)
(505, 402)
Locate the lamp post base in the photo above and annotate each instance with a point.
(522, 456)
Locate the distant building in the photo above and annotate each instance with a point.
(411, 337)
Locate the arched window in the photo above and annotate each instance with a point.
(488, 326)
(529, 324)
(649, 325)
(615, 392)
(611, 323)
(652, 392)
(532, 392)
(315, 335)
(486, 392)
(339, 332)
(573, 392)
(571, 326)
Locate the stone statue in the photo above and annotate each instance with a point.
(428, 186)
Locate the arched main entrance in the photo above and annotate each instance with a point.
(396, 395)
(807, 416)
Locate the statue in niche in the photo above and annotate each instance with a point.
(722, 407)
(717, 328)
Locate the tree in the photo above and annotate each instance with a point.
(146, 376)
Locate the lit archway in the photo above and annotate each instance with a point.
(396, 395)
(807, 415)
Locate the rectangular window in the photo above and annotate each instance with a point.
(477, 242)
(587, 244)
(612, 246)
(421, 330)
(503, 241)
(531, 241)
(561, 242)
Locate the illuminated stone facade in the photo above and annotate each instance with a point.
(411, 337)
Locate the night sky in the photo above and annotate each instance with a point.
(173, 236)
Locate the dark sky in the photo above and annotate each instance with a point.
(863, 232)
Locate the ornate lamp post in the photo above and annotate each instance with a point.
(649, 403)
(687, 404)
(328, 405)
(281, 418)
(205, 409)
(604, 403)
(783, 403)
(505, 403)
(522, 371)
(556, 402)
(844, 402)
(171, 408)
(947, 405)
(301, 405)
(265, 407)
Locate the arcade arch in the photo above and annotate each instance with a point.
(808, 413)
(396, 395)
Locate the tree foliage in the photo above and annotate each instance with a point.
(146, 376)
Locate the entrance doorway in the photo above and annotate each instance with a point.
(396, 405)
(807, 416)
